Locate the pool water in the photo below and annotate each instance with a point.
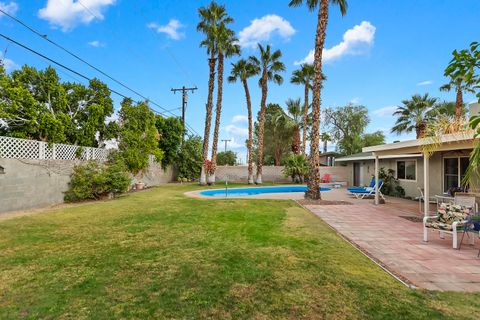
(241, 192)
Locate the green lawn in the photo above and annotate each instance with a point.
(158, 254)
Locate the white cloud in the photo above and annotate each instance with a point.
(355, 41)
(11, 8)
(235, 144)
(8, 64)
(96, 44)
(172, 29)
(385, 111)
(355, 100)
(67, 14)
(425, 83)
(263, 29)
(234, 130)
(239, 118)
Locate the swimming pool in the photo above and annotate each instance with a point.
(241, 192)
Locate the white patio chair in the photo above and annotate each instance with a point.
(421, 199)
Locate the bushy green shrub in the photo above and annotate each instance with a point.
(189, 161)
(93, 180)
(391, 185)
(296, 167)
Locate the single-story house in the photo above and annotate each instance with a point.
(327, 159)
(435, 165)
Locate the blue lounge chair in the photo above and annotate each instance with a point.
(360, 189)
(369, 192)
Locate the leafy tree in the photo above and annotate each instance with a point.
(190, 158)
(36, 105)
(171, 134)
(347, 127)
(414, 115)
(242, 70)
(138, 135)
(227, 158)
(227, 47)
(373, 139)
(277, 135)
(313, 191)
(270, 65)
(212, 18)
(296, 167)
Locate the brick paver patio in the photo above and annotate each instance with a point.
(397, 244)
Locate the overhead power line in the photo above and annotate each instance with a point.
(80, 74)
(63, 66)
(45, 37)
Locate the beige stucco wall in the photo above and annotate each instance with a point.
(28, 184)
(411, 187)
(274, 174)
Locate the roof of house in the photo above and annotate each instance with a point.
(330, 153)
(369, 156)
(448, 142)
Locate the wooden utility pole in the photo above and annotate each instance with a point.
(184, 91)
(226, 141)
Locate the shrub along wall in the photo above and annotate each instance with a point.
(27, 184)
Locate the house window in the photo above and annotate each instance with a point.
(407, 170)
(454, 170)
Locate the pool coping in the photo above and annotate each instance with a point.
(271, 196)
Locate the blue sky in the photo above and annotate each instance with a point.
(378, 54)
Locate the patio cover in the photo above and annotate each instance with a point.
(424, 146)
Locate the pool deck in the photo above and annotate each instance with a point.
(395, 243)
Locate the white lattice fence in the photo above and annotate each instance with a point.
(14, 148)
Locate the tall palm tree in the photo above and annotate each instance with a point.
(325, 137)
(270, 65)
(414, 115)
(313, 190)
(211, 18)
(293, 119)
(242, 70)
(460, 86)
(305, 76)
(226, 47)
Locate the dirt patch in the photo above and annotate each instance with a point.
(323, 202)
(412, 218)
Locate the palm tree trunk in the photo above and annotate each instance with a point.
(420, 129)
(250, 132)
(305, 120)
(325, 145)
(313, 190)
(261, 127)
(211, 178)
(458, 106)
(296, 140)
(208, 118)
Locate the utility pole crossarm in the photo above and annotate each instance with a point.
(184, 91)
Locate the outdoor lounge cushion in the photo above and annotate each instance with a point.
(360, 190)
(366, 189)
(447, 214)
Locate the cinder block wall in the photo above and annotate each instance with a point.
(28, 184)
(274, 174)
